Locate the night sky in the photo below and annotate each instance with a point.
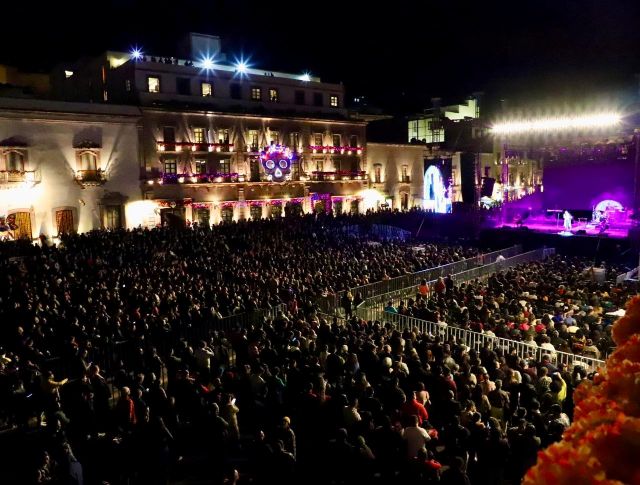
(399, 56)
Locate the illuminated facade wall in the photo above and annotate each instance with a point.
(204, 166)
(396, 172)
(67, 167)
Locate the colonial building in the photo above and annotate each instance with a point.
(66, 167)
(214, 133)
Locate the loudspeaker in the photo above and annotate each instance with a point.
(468, 177)
(487, 186)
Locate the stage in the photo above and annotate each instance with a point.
(580, 227)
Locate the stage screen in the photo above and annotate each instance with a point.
(580, 185)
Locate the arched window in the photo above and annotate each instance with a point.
(88, 161)
(14, 161)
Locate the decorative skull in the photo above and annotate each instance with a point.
(276, 161)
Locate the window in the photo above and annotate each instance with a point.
(377, 173)
(169, 134)
(64, 221)
(201, 166)
(127, 85)
(227, 214)
(201, 216)
(274, 136)
(223, 135)
(252, 140)
(225, 166)
(206, 89)
(276, 211)
(170, 166)
(23, 221)
(299, 97)
(333, 101)
(317, 139)
(405, 173)
(337, 140)
(183, 86)
(317, 99)
(256, 212)
(153, 84)
(256, 94)
(198, 135)
(353, 141)
(111, 217)
(14, 162)
(235, 91)
(319, 165)
(273, 95)
(68, 74)
(295, 140)
(88, 161)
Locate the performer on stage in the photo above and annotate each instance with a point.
(567, 221)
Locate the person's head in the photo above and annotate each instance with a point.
(286, 422)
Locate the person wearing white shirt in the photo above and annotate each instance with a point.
(416, 437)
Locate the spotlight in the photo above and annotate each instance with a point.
(136, 53)
(306, 77)
(207, 63)
(242, 67)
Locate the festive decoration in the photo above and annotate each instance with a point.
(276, 161)
(172, 178)
(195, 147)
(603, 443)
(174, 203)
(346, 150)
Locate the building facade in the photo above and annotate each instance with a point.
(66, 167)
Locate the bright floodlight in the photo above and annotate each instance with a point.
(136, 53)
(242, 67)
(207, 63)
(305, 77)
(562, 123)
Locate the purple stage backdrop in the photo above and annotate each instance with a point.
(580, 185)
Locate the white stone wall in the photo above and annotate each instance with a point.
(50, 131)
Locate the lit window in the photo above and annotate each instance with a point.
(336, 140)
(198, 135)
(253, 140)
(274, 136)
(14, 162)
(88, 161)
(68, 74)
(207, 89)
(127, 85)
(170, 166)
(333, 100)
(377, 173)
(273, 95)
(256, 94)
(317, 139)
(223, 135)
(295, 140)
(201, 166)
(153, 84)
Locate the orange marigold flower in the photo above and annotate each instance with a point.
(628, 325)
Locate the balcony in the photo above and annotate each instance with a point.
(345, 150)
(91, 177)
(225, 147)
(200, 178)
(15, 177)
(339, 175)
(405, 179)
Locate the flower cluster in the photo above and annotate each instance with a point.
(603, 443)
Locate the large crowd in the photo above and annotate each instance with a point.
(556, 305)
(65, 307)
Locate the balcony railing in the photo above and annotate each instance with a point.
(96, 177)
(339, 175)
(176, 146)
(346, 150)
(18, 176)
(405, 180)
(200, 178)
